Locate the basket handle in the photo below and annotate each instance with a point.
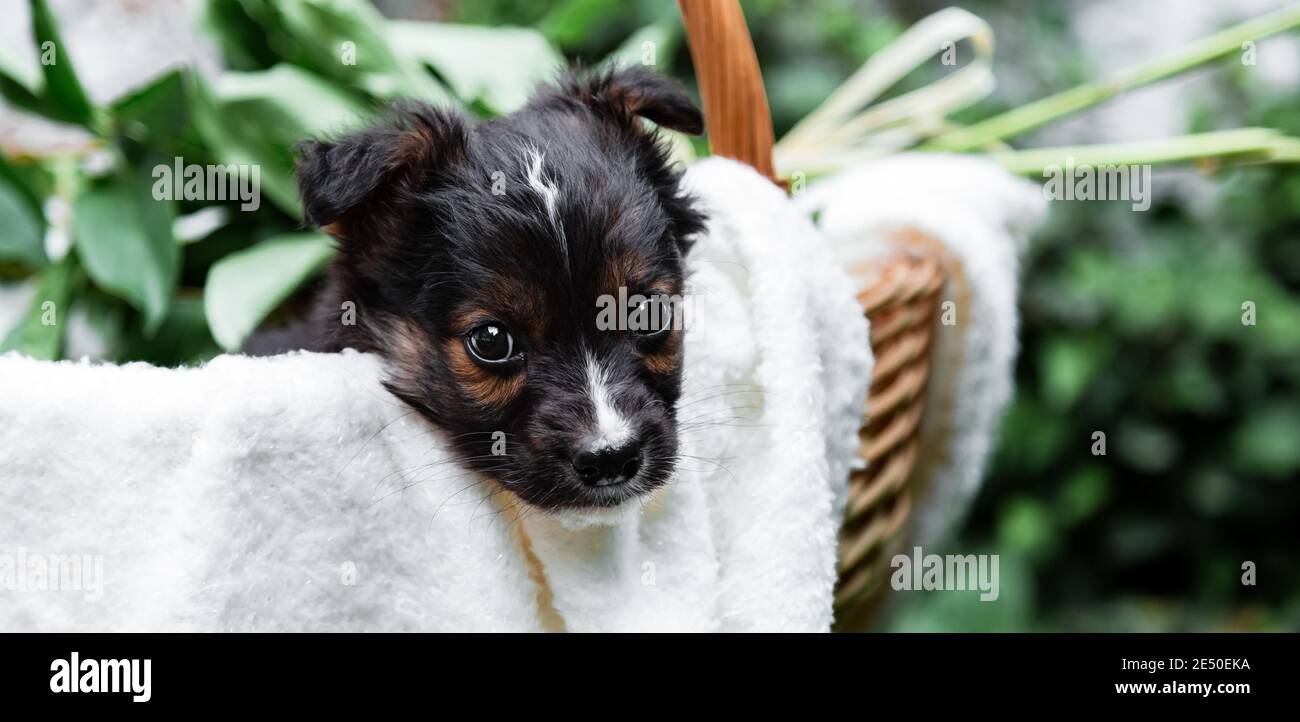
(735, 104)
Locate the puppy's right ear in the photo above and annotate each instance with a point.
(345, 181)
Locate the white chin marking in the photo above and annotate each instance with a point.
(611, 428)
(575, 519)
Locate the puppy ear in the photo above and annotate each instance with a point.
(338, 179)
(624, 93)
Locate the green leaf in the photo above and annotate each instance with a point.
(498, 67)
(242, 40)
(1084, 492)
(1265, 443)
(304, 102)
(14, 92)
(22, 224)
(1149, 448)
(257, 118)
(124, 238)
(158, 112)
(1025, 526)
(345, 40)
(570, 22)
(41, 333)
(244, 287)
(64, 97)
(183, 339)
(1068, 365)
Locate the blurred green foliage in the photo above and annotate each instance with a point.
(1132, 322)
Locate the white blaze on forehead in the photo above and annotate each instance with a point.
(611, 427)
(544, 188)
(549, 193)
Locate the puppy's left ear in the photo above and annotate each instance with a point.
(622, 94)
(363, 176)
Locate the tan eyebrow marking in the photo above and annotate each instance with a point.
(517, 303)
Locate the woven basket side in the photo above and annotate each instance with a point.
(901, 297)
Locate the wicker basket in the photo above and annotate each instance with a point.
(900, 294)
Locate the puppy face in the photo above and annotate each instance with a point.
(486, 261)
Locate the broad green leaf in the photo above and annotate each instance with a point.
(302, 101)
(21, 231)
(243, 41)
(18, 95)
(571, 22)
(123, 236)
(345, 40)
(159, 112)
(498, 67)
(244, 287)
(64, 95)
(22, 225)
(41, 333)
(230, 142)
(183, 339)
(257, 119)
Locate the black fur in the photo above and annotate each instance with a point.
(424, 240)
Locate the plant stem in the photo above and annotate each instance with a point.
(1240, 145)
(1032, 115)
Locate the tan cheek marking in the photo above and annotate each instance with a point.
(409, 348)
(666, 358)
(491, 391)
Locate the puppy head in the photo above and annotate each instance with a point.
(518, 275)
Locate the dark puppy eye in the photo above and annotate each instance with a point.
(654, 315)
(490, 343)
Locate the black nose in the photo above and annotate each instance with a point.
(605, 465)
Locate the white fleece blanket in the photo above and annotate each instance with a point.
(294, 493)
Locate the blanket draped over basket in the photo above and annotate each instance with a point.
(295, 493)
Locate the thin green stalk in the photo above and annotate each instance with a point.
(1032, 115)
(1240, 145)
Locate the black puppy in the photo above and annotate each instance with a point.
(479, 256)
